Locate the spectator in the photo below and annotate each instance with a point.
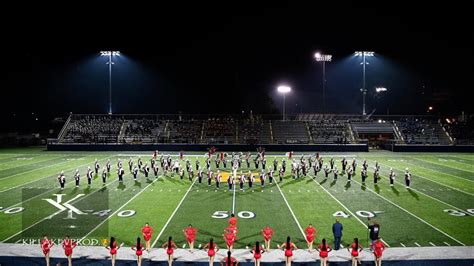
(337, 231)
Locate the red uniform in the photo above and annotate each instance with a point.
(231, 229)
(190, 233)
(232, 261)
(355, 250)
(229, 239)
(233, 221)
(139, 250)
(310, 233)
(113, 248)
(267, 233)
(379, 247)
(323, 253)
(46, 246)
(257, 255)
(289, 250)
(169, 248)
(147, 232)
(211, 252)
(68, 246)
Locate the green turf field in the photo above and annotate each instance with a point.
(437, 211)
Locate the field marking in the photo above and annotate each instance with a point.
(344, 206)
(46, 166)
(447, 244)
(233, 198)
(442, 202)
(174, 212)
(56, 213)
(402, 245)
(418, 245)
(67, 170)
(54, 188)
(431, 243)
(443, 165)
(412, 214)
(120, 208)
(291, 211)
(429, 169)
(457, 189)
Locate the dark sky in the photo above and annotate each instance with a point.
(229, 56)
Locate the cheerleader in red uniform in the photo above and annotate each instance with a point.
(229, 239)
(288, 247)
(147, 232)
(257, 253)
(324, 249)
(233, 220)
(68, 246)
(267, 232)
(310, 231)
(354, 249)
(379, 248)
(211, 249)
(229, 260)
(112, 247)
(46, 245)
(190, 234)
(138, 251)
(170, 247)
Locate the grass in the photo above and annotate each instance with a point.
(438, 210)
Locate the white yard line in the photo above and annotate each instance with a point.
(174, 212)
(455, 176)
(120, 208)
(291, 211)
(447, 244)
(56, 213)
(418, 245)
(412, 214)
(403, 245)
(431, 243)
(67, 170)
(233, 198)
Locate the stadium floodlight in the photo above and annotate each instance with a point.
(380, 89)
(364, 54)
(110, 63)
(323, 58)
(284, 89)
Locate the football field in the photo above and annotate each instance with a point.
(437, 211)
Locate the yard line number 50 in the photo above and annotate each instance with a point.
(225, 214)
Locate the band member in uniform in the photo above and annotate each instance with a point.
(224, 162)
(46, 245)
(209, 178)
(365, 165)
(310, 231)
(264, 163)
(391, 176)
(283, 164)
(218, 179)
(89, 176)
(135, 172)
(68, 246)
(190, 234)
(257, 252)
(350, 172)
(326, 171)
(104, 176)
(96, 166)
(335, 172)
(256, 161)
(275, 165)
(344, 164)
(324, 249)
(267, 233)
(208, 163)
(107, 165)
(140, 163)
(247, 159)
(331, 163)
(407, 178)
(288, 247)
(270, 176)
(155, 169)
(170, 246)
(181, 173)
(181, 155)
(354, 165)
(147, 232)
(138, 248)
(112, 247)
(77, 177)
(262, 178)
(130, 164)
(62, 180)
(230, 181)
(379, 248)
(197, 164)
(320, 162)
(376, 175)
(119, 163)
(199, 175)
(120, 173)
(354, 249)
(290, 155)
(191, 174)
(146, 170)
(211, 249)
(281, 173)
(251, 179)
(363, 174)
(241, 181)
(218, 162)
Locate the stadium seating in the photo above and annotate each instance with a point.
(219, 130)
(289, 132)
(329, 131)
(93, 129)
(462, 132)
(422, 131)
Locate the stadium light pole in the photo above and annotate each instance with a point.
(109, 54)
(283, 89)
(364, 54)
(323, 58)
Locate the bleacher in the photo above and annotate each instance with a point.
(217, 130)
(143, 131)
(183, 131)
(422, 131)
(329, 131)
(462, 132)
(254, 131)
(93, 129)
(290, 132)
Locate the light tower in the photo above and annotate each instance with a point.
(284, 89)
(323, 58)
(364, 54)
(109, 54)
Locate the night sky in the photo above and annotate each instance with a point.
(228, 58)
